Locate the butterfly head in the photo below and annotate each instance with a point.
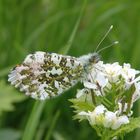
(89, 59)
(94, 58)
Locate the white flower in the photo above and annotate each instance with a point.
(108, 120)
(128, 73)
(101, 75)
(96, 75)
(113, 71)
(114, 122)
(119, 121)
(96, 117)
(101, 80)
(136, 94)
(100, 109)
(90, 85)
(96, 81)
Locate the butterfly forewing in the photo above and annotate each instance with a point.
(45, 75)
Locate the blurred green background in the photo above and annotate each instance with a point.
(27, 26)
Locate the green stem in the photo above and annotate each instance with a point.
(55, 118)
(33, 121)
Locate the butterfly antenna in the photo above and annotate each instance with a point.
(111, 27)
(114, 43)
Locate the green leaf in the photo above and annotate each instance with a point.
(8, 96)
(81, 105)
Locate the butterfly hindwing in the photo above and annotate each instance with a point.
(45, 75)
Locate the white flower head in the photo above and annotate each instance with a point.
(96, 79)
(102, 117)
(103, 76)
(96, 117)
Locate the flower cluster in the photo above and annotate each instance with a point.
(109, 93)
(104, 77)
(101, 116)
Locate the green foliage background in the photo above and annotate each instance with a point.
(27, 26)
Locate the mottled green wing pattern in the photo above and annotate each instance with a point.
(45, 75)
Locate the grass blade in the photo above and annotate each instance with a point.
(65, 49)
(55, 118)
(33, 121)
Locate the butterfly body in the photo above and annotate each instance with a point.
(44, 75)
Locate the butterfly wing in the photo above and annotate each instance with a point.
(44, 75)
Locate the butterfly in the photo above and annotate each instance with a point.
(44, 75)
